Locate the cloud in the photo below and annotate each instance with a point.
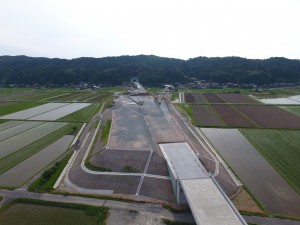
(181, 29)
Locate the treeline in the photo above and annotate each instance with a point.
(151, 70)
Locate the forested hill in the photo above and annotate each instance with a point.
(151, 70)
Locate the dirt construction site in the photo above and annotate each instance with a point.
(131, 163)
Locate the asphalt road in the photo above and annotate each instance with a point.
(155, 209)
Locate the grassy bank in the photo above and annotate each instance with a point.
(47, 180)
(105, 131)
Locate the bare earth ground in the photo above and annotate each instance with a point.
(244, 202)
(194, 98)
(231, 117)
(229, 187)
(270, 116)
(129, 130)
(158, 189)
(213, 98)
(204, 115)
(158, 165)
(117, 160)
(164, 129)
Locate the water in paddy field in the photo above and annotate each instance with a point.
(292, 100)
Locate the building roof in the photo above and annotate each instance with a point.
(183, 161)
(208, 204)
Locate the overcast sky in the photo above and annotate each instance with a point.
(169, 28)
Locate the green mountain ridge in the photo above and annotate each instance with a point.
(151, 70)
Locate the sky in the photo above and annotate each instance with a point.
(169, 28)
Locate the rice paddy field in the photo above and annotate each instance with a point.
(218, 98)
(28, 212)
(282, 150)
(19, 174)
(10, 132)
(18, 106)
(13, 144)
(28, 113)
(39, 152)
(46, 112)
(31, 137)
(292, 109)
(57, 113)
(82, 115)
(59, 96)
(258, 174)
(238, 110)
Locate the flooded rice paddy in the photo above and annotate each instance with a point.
(60, 112)
(254, 171)
(292, 100)
(18, 129)
(19, 141)
(25, 114)
(7, 125)
(19, 174)
(47, 112)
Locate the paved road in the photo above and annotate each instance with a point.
(150, 208)
(155, 209)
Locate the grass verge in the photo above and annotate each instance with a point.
(87, 163)
(90, 166)
(187, 108)
(105, 131)
(169, 222)
(129, 169)
(45, 182)
(175, 96)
